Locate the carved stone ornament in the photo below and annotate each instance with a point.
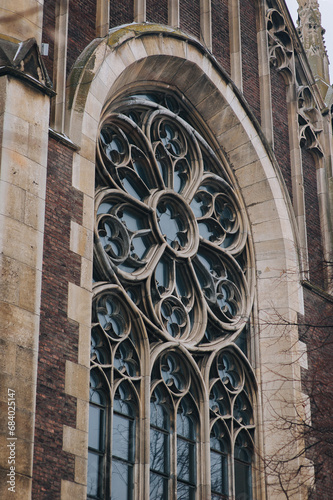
(279, 42)
(23, 60)
(309, 120)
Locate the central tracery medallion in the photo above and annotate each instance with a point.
(176, 223)
(169, 227)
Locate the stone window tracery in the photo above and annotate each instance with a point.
(173, 295)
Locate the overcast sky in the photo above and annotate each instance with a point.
(326, 9)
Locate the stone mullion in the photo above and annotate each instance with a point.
(144, 428)
(235, 43)
(139, 11)
(325, 210)
(265, 77)
(102, 17)
(297, 175)
(325, 196)
(206, 23)
(173, 13)
(60, 62)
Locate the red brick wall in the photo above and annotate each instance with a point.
(121, 12)
(81, 28)
(280, 124)
(250, 66)
(317, 330)
(220, 33)
(157, 12)
(189, 12)
(315, 247)
(58, 340)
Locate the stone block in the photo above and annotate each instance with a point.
(82, 414)
(89, 126)
(75, 441)
(77, 381)
(70, 490)
(12, 201)
(19, 325)
(15, 130)
(34, 213)
(93, 106)
(24, 392)
(13, 234)
(81, 240)
(84, 345)
(88, 217)
(79, 304)
(86, 274)
(9, 279)
(222, 121)
(81, 466)
(24, 173)
(83, 175)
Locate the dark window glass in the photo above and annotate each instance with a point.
(243, 472)
(159, 448)
(186, 452)
(123, 446)
(96, 439)
(243, 481)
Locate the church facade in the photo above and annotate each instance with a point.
(166, 302)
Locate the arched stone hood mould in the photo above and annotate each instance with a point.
(155, 54)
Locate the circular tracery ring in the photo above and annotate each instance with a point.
(168, 223)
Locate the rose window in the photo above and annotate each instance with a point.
(172, 303)
(169, 226)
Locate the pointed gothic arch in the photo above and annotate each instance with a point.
(157, 57)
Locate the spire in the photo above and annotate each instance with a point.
(311, 34)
